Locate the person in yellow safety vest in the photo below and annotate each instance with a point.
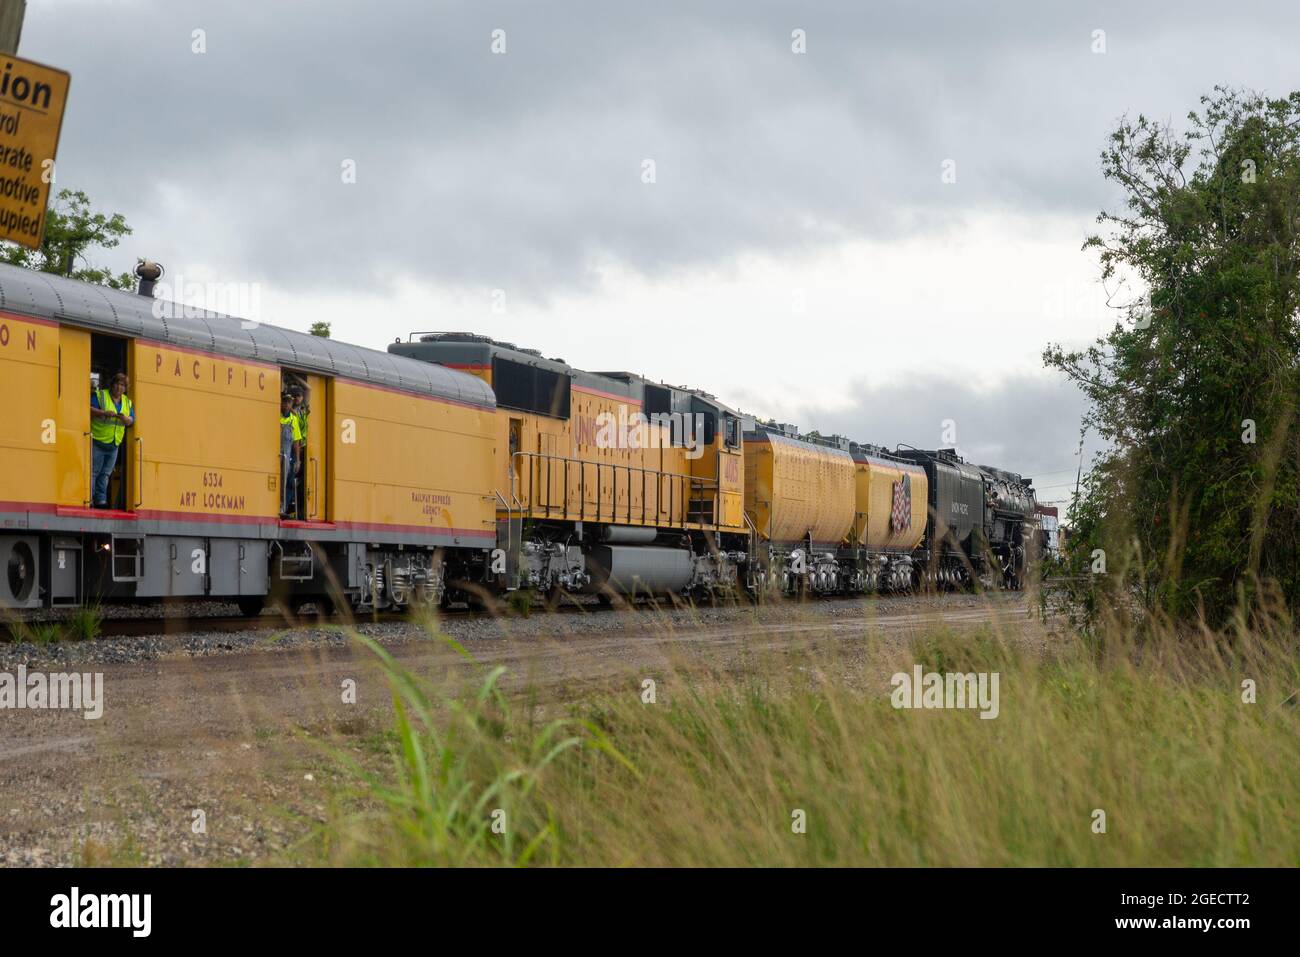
(300, 411)
(290, 457)
(111, 414)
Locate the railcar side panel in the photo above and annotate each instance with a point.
(411, 463)
(878, 484)
(29, 428)
(795, 489)
(207, 436)
(958, 504)
(73, 486)
(316, 456)
(731, 479)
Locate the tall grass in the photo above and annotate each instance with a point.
(83, 624)
(721, 769)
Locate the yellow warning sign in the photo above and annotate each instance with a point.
(32, 98)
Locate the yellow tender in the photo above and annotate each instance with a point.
(795, 488)
(877, 483)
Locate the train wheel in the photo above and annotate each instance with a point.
(250, 606)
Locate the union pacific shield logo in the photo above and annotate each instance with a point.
(900, 519)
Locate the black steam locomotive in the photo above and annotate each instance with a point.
(982, 522)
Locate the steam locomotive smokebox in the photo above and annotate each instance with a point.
(637, 569)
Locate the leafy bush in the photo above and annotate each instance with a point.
(1196, 500)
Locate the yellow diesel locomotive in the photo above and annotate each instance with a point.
(606, 482)
(450, 468)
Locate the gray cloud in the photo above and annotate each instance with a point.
(1028, 423)
(523, 171)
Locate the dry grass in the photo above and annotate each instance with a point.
(1156, 734)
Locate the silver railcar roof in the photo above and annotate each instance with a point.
(100, 309)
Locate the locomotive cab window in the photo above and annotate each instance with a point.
(706, 415)
(733, 432)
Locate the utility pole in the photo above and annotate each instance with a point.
(1077, 478)
(11, 25)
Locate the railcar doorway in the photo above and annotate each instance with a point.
(110, 357)
(311, 405)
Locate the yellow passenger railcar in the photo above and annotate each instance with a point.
(397, 465)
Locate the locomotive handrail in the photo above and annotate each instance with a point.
(313, 490)
(139, 473)
(690, 484)
(90, 471)
(509, 538)
(753, 535)
(637, 468)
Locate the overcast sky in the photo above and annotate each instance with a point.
(798, 252)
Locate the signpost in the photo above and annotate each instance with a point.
(11, 24)
(32, 98)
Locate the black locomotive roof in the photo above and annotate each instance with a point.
(469, 349)
(101, 309)
(474, 350)
(947, 458)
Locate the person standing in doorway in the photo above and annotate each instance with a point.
(290, 457)
(301, 410)
(111, 414)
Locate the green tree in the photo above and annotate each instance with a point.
(72, 230)
(321, 329)
(1194, 390)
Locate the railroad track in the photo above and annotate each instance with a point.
(134, 627)
(185, 624)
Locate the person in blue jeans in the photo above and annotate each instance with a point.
(290, 457)
(111, 414)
